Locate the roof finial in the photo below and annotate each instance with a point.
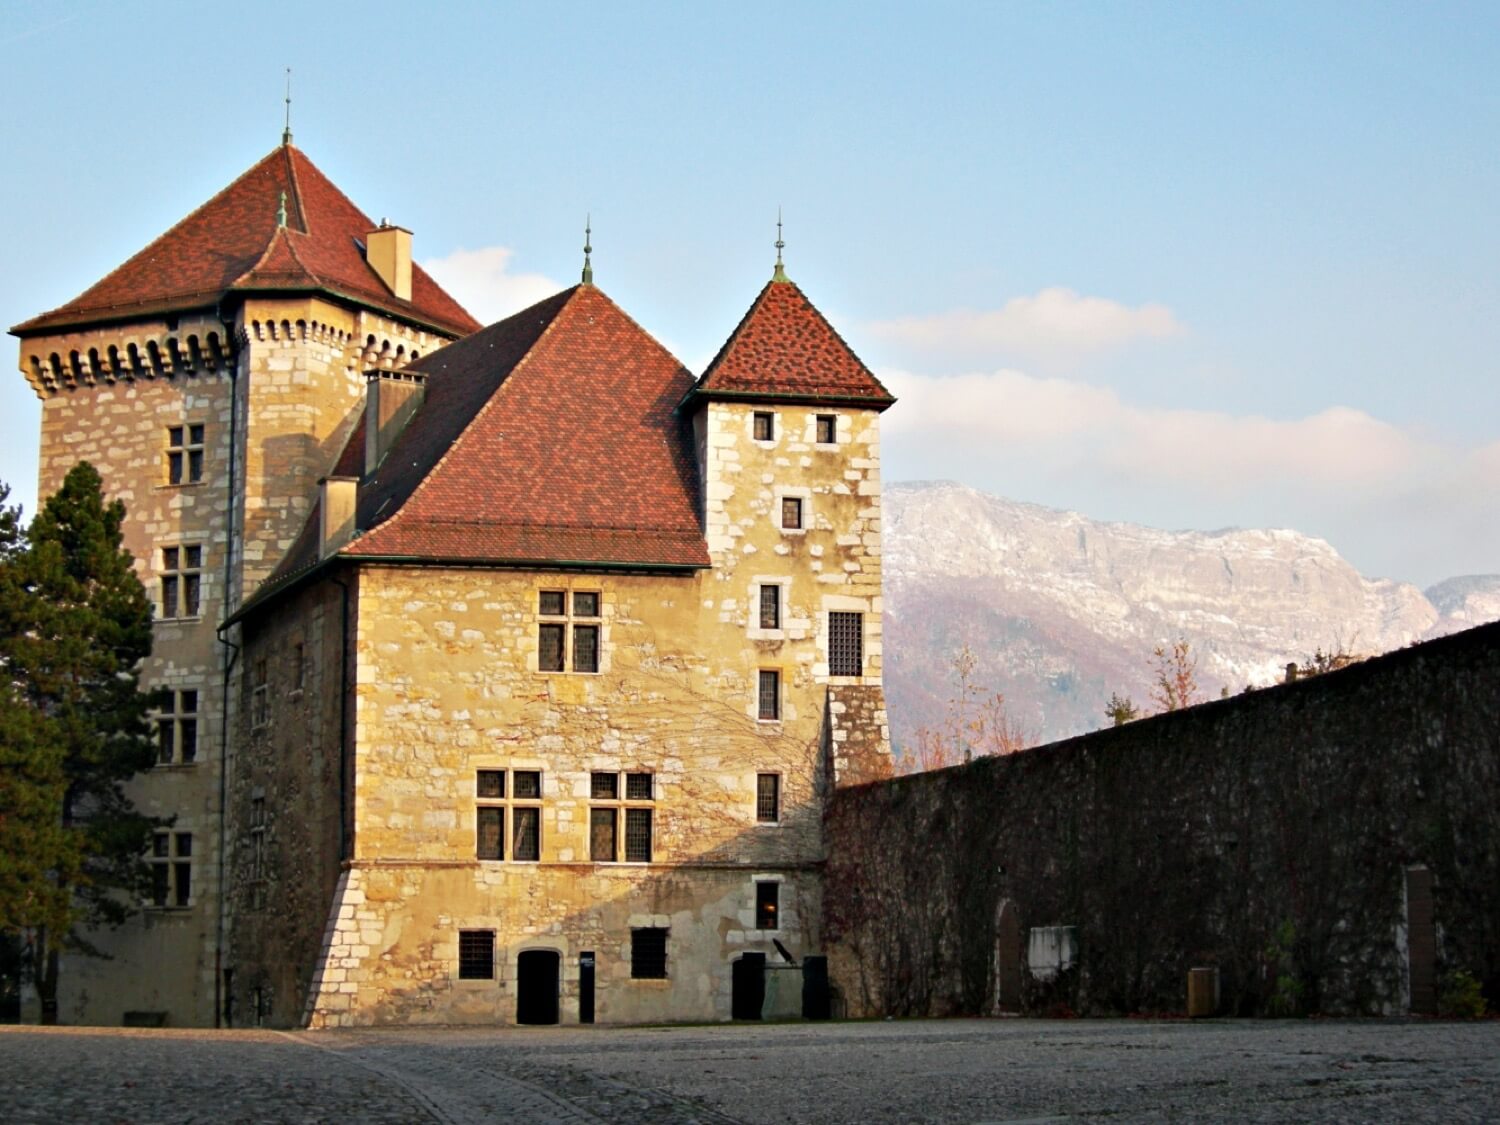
(779, 274)
(286, 134)
(588, 265)
(281, 211)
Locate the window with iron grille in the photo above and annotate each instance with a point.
(177, 730)
(185, 454)
(765, 426)
(476, 954)
(768, 798)
(607, 809)
(828, 428)
(172, 869)
(571, 643)
(770, 606)
(181, 580)
(791, 512)
(520, 802)
(768, 706)
(846, 644)
(648, 953)
(767, 905)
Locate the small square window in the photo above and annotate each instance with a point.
(648, 953)
(551, 603)
(476, 954)
(527, 784)
(791, 512)
(769, 702)
(770, 607)
(767, 905)
(828, 429)
(638, 786)
(765, 426)
(586, 605)
(604, 786)
(768, 798)
(490, 783)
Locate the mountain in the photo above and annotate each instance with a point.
(1060, 610)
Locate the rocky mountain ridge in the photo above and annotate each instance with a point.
(1061, 610)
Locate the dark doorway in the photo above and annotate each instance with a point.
(1421, 941)
(586, 987)
(749, 982)
(1007, 957)
(536, 986)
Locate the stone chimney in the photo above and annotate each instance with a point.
(391, 398)
(388, 250)
(337, 499)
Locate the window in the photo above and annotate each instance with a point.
(828, 429)
(177, 730)
(648, 953)
(257, 853)
(770, 607)
(767, 905)
(476, 954)
(768, 798)
(171, 869)
(607, 809)
(846, 647)
(571, 643)
(184, 454)
(765, 426)
(181, 580)
(769, 704)
(523, 805)
(260, 693)
(791, 512)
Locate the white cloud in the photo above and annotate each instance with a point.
(481, 281)
(1055, 321)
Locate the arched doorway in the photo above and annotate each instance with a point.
(1007, 967)
(749, 982)
(537, 986)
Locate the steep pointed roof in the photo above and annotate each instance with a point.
(785, 350)
(233, 244)
(548, 438)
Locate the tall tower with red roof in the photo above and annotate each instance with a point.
(212, 379)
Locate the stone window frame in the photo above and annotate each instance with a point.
(477, 961)
(778, 799)
(185, 454)
(646, 963)
(843, 603)
(792, 492)
(624, 806)
(754, 630)
(171, 862)
(181, 581)
(569, 622)
(177, 728)
(837, 642)
(767, 905)
(776, 681)
(752, 421)
(508, 802)
(818, 423)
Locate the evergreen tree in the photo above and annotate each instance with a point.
(75, 626)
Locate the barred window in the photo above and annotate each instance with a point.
(767, 905)
(476, 954)
(637, 835)
(648, 953)
(769, 703)
(493, 807)
(573, 642)
(768, 798)
(828, 426)
(846, 644)
(605, 815)
(177, 729)
(603, 830)
(765, 426)
(184, 454)
(770, 606)
(791, 512)
(604, 786)
(638, 786)
(526, 836)
(181, 580)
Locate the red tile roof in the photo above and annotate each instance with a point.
(550, 437)
(784, 349)
(232, 244)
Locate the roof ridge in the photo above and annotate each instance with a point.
(296, 185)
(738, 328)
(468, 427)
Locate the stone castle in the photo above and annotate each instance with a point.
(511, 669)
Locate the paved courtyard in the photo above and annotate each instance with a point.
(941, 1071)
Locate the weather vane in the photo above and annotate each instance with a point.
(780, 274)
(588, 267)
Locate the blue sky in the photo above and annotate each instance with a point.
(1187, 265)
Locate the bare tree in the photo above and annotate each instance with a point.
(977, 725)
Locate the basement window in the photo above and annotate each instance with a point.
(648, 953)
(476, 954)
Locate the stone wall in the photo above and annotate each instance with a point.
(1268, 835)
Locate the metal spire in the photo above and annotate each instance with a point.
(286, 133)
(588, 266)
(780, 273)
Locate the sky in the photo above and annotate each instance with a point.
(1192, 266)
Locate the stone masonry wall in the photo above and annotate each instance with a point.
(1267, 835)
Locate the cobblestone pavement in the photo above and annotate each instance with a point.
(840, 1074)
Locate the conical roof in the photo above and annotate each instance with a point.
(233, 243)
